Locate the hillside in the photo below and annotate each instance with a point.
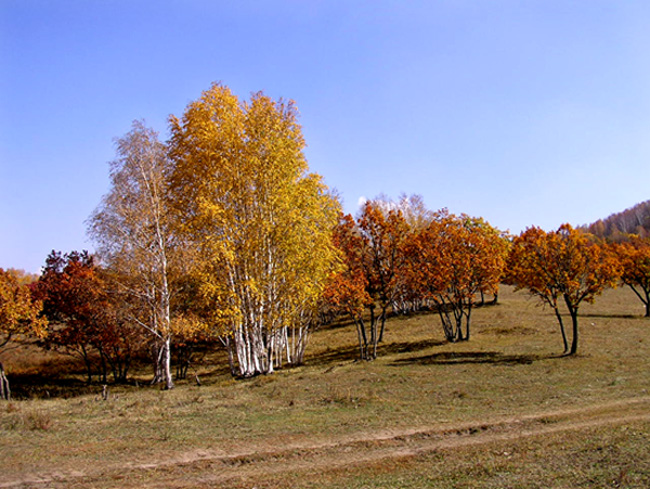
(635, 220)
(502, 410)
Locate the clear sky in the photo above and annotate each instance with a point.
(523, 112)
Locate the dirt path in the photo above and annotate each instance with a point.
(212, 468)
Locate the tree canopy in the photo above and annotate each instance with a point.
(563, 265)
(259, 222)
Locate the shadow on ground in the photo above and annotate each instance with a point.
(612, 316)
(351, 353)
(472, 357)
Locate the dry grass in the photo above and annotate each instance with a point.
(510, 369)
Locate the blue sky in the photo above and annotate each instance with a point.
(522, 112)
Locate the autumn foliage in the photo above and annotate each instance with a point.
(19, 316)
(446, 263)
(258, 223)
(222, 236)
(87, 316)
(563, 266)
(452, 262)
(634, 256)
(373, 256)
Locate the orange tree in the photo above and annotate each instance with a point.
(87, 316)
(634, 257)
(19, 315)
(451, 261)
(564, 265)
(371, 248)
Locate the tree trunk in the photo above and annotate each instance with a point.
(231, 356)
(574, 341)
(564, 339)
(5, 391)
(167, 364)
(383, 324)
(447, 327)
(374, 336)
(574, 320)
(646, 300)
(458, 319)
(363, 341)
(156, 354)
(103, 375)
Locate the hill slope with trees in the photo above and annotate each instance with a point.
(635, 220)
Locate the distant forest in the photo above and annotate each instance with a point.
(635, 220)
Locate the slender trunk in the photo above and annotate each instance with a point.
(574, 342)
(573, 310)
(104, 366)
(458, 319)
(446, 324)
(564, 338)
(363, 341)
(383, 323)
(373, 334)
(468, 316)
(89, 367)
(231, 356)
(243, 357)
(303, 339)
(5, 391)
(167, 364)
(645, 300)
(269, 354)
(288, 346)
(156, 354)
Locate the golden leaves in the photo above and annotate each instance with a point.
(19, 313)
(263, 223)
(564, 263)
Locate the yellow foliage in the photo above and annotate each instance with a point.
(19, 314)
(260, 222)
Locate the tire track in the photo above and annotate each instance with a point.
(215, 467)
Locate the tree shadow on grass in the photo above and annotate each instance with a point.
(611, 316)
(31, 386)
(410, 346)
(472, 357)
(332, 356)
(351, 353)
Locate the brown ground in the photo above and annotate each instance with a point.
(254, 461)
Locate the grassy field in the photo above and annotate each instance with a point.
(502, 410)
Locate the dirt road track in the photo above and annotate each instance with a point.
(213, 467)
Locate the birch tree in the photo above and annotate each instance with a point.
(259, 222)
(132, 229)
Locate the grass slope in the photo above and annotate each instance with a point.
(339, 423)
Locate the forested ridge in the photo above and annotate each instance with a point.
(635, 220)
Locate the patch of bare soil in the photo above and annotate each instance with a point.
(213, 468)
